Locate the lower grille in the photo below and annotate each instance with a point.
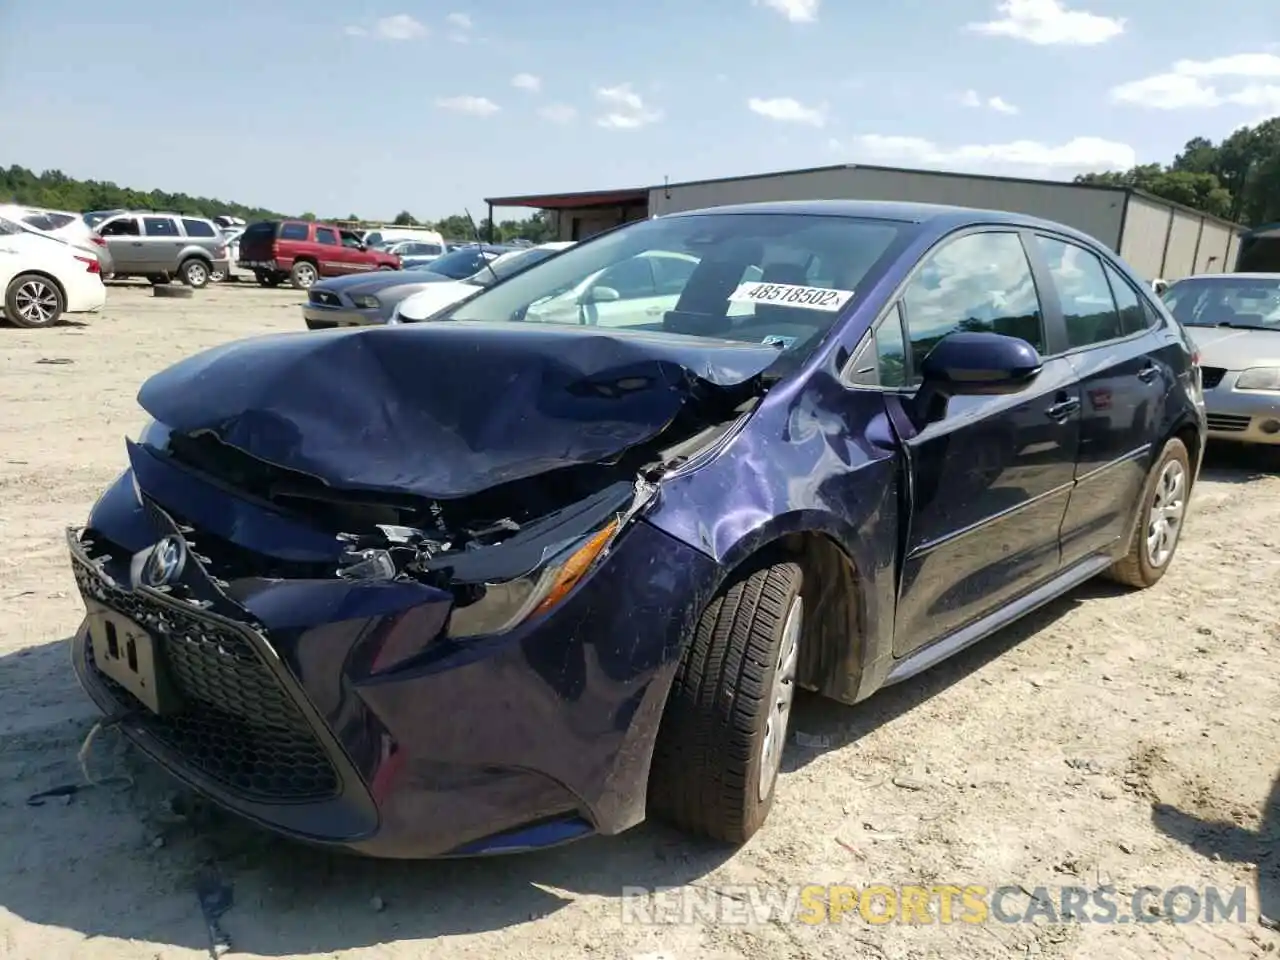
(1210, 377)
(238, 725)
(1228, 422)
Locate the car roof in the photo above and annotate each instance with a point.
(1236, 276)
(941, 215)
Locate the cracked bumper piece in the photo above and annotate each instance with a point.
(273, 697)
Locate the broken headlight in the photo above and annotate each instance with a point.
(499, 607)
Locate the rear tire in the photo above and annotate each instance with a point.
(33, 301)
(269, 280)
(195, 273)
(719, 749)
(1161, 513)
(303, 275)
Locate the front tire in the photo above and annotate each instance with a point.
(1162, 510)
(719, 749)
(33, 301)
(303, 275)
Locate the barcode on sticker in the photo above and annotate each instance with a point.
(791, 295)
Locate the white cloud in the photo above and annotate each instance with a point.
(972, 100)
(1199, 84)
(476, 106)
(625, 109)
(787, 110)
(560, 113)
(1022, 156)
(526, 81)
(459, 20)
(797, 11)
(399, 27)
(1046, 22)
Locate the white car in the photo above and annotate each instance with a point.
(64, 225)
(43, 277)
(435, 297)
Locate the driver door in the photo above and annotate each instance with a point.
(991, 480)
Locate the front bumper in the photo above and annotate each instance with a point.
(1242, 416)
(323, 317)
(507, 742)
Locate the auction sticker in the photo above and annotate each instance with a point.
(791, 295)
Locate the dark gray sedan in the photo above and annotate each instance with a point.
(362, 299)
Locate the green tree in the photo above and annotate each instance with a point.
(405, 219)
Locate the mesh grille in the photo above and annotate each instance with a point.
(1210, 377)
(238, 725)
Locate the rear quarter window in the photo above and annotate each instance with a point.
(198, 228)
(294, 231)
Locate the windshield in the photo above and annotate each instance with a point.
(508, 265)
(461, 263)
(1248, 302)
(755, 278)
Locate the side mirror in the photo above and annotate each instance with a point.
(980, 364)
(602, 295)
(974, 364)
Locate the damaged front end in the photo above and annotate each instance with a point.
(352, 528)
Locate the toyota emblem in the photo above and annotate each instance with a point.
(165, 563)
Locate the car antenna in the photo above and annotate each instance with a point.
(475, 232)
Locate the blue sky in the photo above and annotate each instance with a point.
(372, 107)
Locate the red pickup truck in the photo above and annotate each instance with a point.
(302, 252)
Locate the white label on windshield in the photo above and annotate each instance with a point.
(791, 295)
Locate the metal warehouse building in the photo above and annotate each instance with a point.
(1158, 238)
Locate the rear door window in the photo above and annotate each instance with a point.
(294, 231)
(1088, 308)
(327, 236)
(159, 227)
(1133, 316)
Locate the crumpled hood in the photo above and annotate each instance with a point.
(443, 410)
(1235, 349)
(372, 282)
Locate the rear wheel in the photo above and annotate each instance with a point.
(195, 273)
(33, 301)
(1161, 513)
(303, 275)
(267, 279)
(719, 749)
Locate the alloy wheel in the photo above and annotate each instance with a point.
(1168, 507)
(781, 697)
(37, 302)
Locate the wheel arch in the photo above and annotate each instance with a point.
(43, 275)
(838, 639)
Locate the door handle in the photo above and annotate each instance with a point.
(653, 311)
(1148, 373)
(137, 243)
(1062, 409)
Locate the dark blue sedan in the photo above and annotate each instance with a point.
(519, 574)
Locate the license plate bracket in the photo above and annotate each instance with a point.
(127, 653)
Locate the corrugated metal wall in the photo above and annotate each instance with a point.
(1095, 211)
(1161, 240)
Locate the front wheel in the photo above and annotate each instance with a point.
(1158, 527)
(33, 301)
(719, 750)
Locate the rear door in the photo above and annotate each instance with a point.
(1124, 379)
(991, 480)
(332, 256)
(161, 243)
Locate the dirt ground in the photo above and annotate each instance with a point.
(1129, 739)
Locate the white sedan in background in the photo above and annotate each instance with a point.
(43, 277)
(437, 296)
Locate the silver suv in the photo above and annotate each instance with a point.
(161, 246)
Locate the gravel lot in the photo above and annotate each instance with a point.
(1117, 738)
